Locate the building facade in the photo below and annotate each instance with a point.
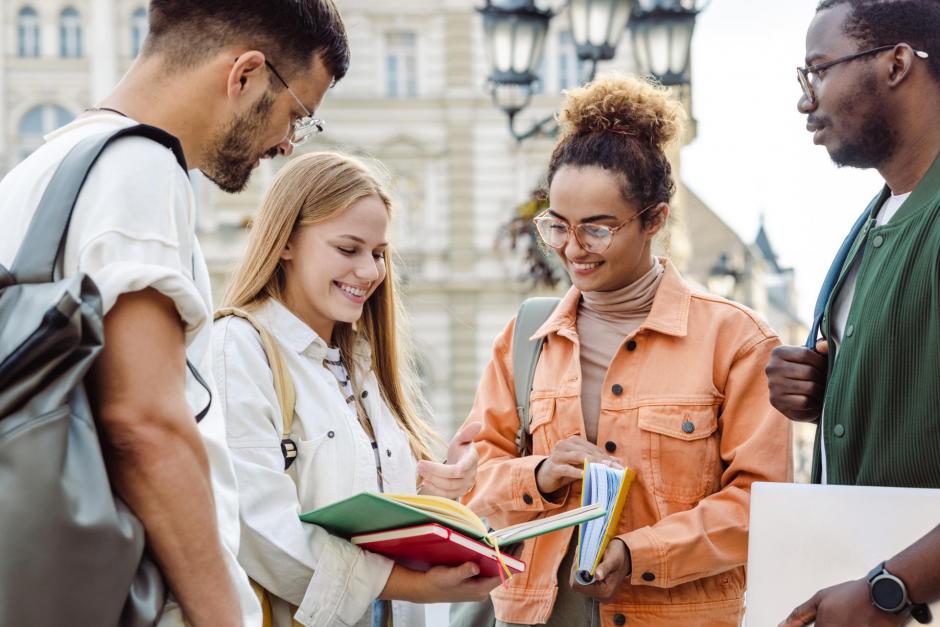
(415, 101)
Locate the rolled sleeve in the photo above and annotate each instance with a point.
(526, 496)
(120, 264)
(344, 584)
(647, 557)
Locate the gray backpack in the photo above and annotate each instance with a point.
(72, 552)
(525, 357)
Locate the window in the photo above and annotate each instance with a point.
(571, 69)
(37, 122)
(401, 65)
(27, 33)
(139, 29)
(70, 34)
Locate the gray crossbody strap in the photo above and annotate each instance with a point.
(44, 243)
(525, 356)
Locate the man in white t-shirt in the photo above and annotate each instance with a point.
(207, 75)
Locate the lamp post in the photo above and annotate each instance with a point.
(662, 38)
(515, 32)
(723, 277)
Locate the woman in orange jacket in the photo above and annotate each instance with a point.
(638, 369)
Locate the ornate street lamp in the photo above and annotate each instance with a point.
(723, 277)
(662, 38)
(597, 26)
(515, 37)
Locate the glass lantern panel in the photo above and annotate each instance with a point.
(523, 46)
(502, 46)
(578, 15)
(618, 22)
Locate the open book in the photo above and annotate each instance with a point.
(606, 487)
(369, 512)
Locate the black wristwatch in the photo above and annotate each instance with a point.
(889, 594)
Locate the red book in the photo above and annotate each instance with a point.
(424, 546)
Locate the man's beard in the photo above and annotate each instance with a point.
(876, 140)
(230, 158)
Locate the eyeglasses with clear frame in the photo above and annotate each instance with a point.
(594, 238)
(307, 126)
(806, 82)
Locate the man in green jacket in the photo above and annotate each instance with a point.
(868, 375)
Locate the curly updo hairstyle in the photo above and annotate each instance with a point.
(621, 124)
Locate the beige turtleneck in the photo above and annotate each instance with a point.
(604, 320)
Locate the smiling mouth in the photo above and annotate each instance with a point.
(355, 292)
(584, 267)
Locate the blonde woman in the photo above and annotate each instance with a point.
(318, 276)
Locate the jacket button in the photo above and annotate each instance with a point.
(365, 394)
(617, 389)
(619, 619)
(648, 576)
(527, 498)
(611, 447)
(688, 426)
(878, 241)
(839, 431)
(850, 330)
(388, 452)
(631, 346)
(330, 434)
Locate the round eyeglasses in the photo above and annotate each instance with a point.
(805, 74)
(594, 238)
(304, 128)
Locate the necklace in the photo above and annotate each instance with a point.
(96, 109)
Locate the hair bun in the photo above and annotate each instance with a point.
(623, 104)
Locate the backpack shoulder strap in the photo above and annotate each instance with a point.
(525, 356)
(44, 242)
(283, 385)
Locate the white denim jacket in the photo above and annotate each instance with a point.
(332, 581)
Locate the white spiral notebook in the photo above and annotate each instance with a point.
(807, 537)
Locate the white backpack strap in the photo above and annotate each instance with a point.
(283, 385)
(525, 357)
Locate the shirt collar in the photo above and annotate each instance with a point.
(294, 333)
(669, 314)
(290, 330)
(92, 119)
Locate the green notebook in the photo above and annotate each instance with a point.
(369, 512)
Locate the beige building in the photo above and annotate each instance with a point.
(415, 99)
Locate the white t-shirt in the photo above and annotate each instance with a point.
(133, 227)
(843, 302)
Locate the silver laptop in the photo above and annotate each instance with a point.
(807, 537)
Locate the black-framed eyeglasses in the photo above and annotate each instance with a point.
(594, 238)
(803, 73)
(307, 126)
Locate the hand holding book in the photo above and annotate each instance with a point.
(565, 464)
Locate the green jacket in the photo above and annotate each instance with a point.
(882, 402)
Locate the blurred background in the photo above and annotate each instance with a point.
(456, 98)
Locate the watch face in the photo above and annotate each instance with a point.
(887, 593)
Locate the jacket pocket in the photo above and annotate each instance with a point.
(541, 412)
(314, 472)
(680, 449)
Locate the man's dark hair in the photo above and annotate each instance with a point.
(288, 32)
(886, 22)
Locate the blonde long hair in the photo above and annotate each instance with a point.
(310, 189)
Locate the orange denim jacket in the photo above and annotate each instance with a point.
(696, 359)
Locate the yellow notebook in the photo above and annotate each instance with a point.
(608, 487)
